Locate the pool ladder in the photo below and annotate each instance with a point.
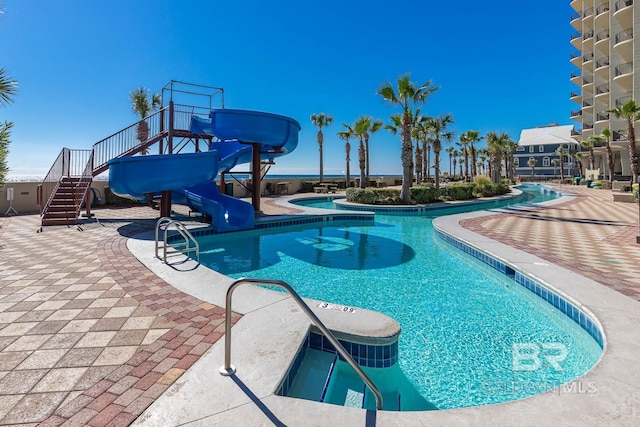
(228, 369)
(183, 247)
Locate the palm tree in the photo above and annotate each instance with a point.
(418, 168)
(438, 128)
(606, 135)
(8, 88)
(532, 164)
(509, 148)
(630, 111)
(321, 120)
(450, 150)
(473, 136)
(346, 135)
(358, 132)
(588, 145)
(560, 153)
(143, 105)
(369, 127)
(407, 95)
(555, 166)
(484, 155)
(464, 150)
(496, 143)
(578, 158)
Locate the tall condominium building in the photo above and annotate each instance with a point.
(605, 74)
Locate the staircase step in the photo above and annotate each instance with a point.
(58, 221)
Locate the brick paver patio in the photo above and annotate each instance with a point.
(89, 336)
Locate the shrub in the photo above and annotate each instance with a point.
(423, 193)
(112, 199)
(361, 195)
(636, 195)
(457, 191)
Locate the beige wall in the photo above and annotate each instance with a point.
(24, 193)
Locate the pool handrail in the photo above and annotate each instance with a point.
(228, 369)
(186, 235)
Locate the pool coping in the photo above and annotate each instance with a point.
(203, 397)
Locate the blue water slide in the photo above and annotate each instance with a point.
(138, 176)
(276, 134)
(191, 176)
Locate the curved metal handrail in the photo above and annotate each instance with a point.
(168, 222)
(228, 369)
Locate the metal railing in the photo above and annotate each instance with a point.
(69, 163)
(587, 57)
(82, 187)
(575, 35)
(587, 35)
(624, 35)
(623, 69)
(602, 35)
(623, 100)
(126, 140)
(228, 369)
(603, 88)
(182, 230)
(602, 62)
(620, 4)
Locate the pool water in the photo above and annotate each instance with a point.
(460, 318)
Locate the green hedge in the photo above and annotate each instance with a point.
(422, 194)
(112, 199)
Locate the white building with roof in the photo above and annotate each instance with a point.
(541, 144)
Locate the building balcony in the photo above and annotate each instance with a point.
(623, 13)
(576, 78)
(587, 85)
(602, 42)
(576, 97)
(623, 100)
(623, 44)
(576, 115)
(587, 126)
(576, 5)
(587, 40)
(576, 58)
(602, 16)
(602, 89)
(602, 67)
(576, 20)
(623, 75)
(576, 40)
(588, 13)
(602, 117)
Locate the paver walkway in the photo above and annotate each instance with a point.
(591, 235)
(89, 336)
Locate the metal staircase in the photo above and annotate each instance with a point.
(62, 192)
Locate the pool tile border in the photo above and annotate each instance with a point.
(366, 355)
(569, 309)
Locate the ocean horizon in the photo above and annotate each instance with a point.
(105, 177)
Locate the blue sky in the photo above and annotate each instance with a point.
(499, 68)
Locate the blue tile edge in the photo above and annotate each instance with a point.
(573, 312)
(366, 355)
(283, 222)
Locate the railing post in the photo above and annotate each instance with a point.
(170, 133)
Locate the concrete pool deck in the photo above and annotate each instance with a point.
(64, 360)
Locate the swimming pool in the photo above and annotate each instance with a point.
(460, 318)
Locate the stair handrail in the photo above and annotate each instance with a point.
(228, 369)
(125, 140)
(56, 172)
(82, 187)
(182, 230)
